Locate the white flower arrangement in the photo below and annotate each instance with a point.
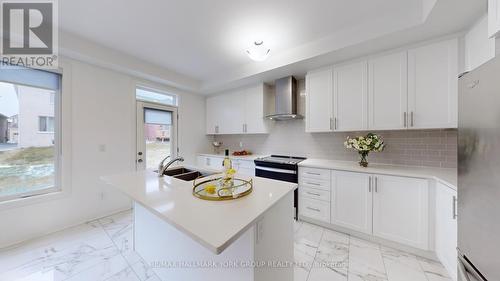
(364, 145)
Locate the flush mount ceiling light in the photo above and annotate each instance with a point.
(258, 51)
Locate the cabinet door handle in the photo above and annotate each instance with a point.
(313, 183)
(404, 118)
(309, 245)
(313, 209)
(216, 129)
(411, 119)
(370, 184)
(331, 122)
(376, 184)
(312, 193)
(311, 173)
(454, 206)
(335, 123)
(243, 128)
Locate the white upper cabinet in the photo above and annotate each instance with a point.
(319, 103)
(240, 111)
(493, 18)
(351, 205)
(214, 118)
(410, 89)
(433, 86)
(350, 97)
(233, 113)
(388, 91)
(254, 103)
(401, 210)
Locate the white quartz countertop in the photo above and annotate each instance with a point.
(243, 157)
(214, 224)
(443, 175)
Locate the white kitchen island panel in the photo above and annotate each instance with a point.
(258, 254)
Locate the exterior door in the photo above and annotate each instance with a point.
(156, 134)
(352, 201)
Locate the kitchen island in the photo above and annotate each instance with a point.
(186, 238)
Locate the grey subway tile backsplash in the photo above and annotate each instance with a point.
(432, 148)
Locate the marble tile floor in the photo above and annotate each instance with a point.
(102, 250)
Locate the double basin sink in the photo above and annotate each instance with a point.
(186, 174)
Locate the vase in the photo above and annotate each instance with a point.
(362, 159)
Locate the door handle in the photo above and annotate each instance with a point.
(376, 184)
(411, 119)
(331, 122)
(139, 160)
(404, 119)
(335, 123)
(370, 184)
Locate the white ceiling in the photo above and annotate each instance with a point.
(205, 40)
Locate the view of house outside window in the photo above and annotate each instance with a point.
(27, 140)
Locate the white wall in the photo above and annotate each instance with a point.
(478, 47)
(102, 113)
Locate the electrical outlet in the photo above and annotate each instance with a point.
(241, 144)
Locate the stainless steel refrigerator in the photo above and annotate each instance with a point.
(479, 174)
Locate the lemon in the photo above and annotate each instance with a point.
(231, 172)
(210, 189)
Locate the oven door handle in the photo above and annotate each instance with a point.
(276, 170)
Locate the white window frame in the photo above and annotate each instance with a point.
(56, 191)
(157, 91)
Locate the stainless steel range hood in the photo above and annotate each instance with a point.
(286, 100)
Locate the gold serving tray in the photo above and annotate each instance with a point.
(240, 188)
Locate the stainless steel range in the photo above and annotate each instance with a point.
(279, 167)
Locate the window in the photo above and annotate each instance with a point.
(149, 95)
(29, 133)
(46, 124)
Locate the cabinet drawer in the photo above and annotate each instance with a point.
(312, 173)
(315, 183)
(315, 209)
(314, 194)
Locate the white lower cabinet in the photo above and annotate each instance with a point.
(314, 209)
(244, 167)
(389, 207)
(446, 228)
(211, 162)
(351, 201)
(401, 210)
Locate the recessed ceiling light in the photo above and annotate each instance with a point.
(258, 51)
